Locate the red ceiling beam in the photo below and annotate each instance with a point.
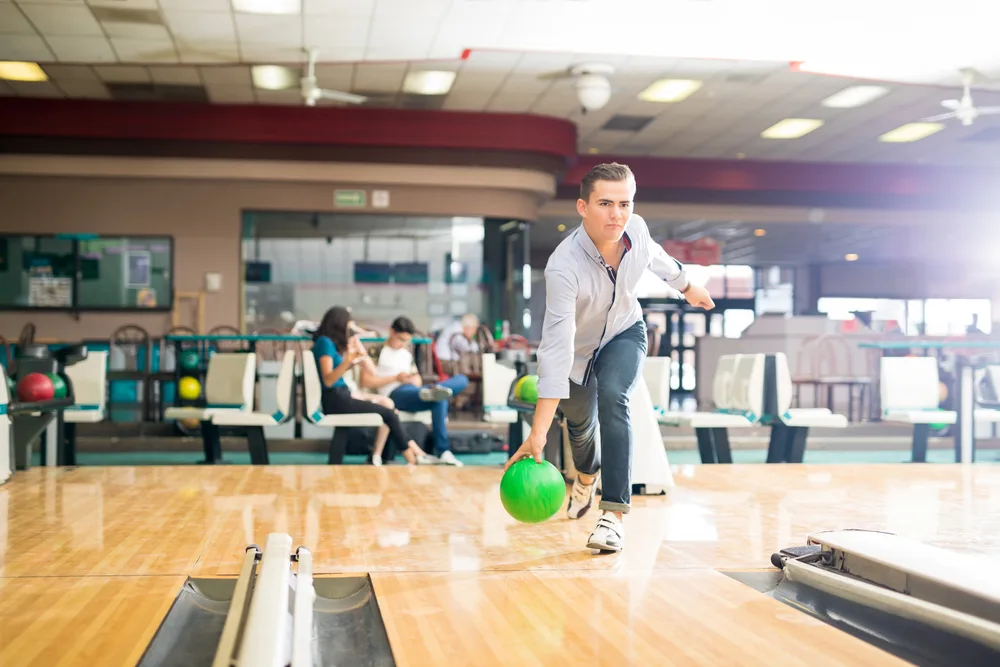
(342, 126)
(764, 176)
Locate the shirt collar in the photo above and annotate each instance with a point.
(585, 242)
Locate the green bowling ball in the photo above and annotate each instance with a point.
(529, 389)
(58, 385)
(532, 492)
(189, 360)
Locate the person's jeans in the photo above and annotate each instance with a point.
(604, 402)
(407, 398)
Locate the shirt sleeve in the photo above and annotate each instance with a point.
(555, 352)
(324, 347)
(666, 267)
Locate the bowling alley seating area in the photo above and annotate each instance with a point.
(211, 394)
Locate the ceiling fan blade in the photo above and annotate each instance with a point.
(944, 116)
(987, 111)
(951, 104)
(339, 96)
(557, 74)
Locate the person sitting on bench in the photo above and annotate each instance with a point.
(395, 376)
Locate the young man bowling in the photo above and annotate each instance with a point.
(594, 342)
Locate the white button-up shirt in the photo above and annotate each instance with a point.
(587, 305)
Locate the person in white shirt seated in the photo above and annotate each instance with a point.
(458, 338)
(395, 377)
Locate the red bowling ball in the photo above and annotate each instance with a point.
(35, 387)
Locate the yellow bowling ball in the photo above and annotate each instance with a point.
(189, 388)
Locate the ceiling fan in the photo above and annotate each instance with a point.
(964, 110)
(312, 93)
(593, 88)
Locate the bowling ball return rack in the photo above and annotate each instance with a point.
(29, 420)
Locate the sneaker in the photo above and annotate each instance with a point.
(580, 498)
(376, 460)
(425, 460)
(434, 394)
(609, 535)
(449, 459)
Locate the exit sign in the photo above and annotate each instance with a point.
(349, 198)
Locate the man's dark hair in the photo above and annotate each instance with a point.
(608, 171)
(403, 324)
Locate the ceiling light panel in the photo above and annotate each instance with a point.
(21, 71)
(268, 6)
(911, 132)
(670, 90)
(273, 77)
(854, 96)
(791, 128)
(428, 82)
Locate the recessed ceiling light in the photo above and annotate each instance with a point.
(851, 257)
(759, 232)
(21, 71)
(268, 6)
(561, 227)
(669, 90)
(854, 96)
(428, 82)
(911, 132)
(791, 128)
(741, 156)
(273, 77)
(593, 150)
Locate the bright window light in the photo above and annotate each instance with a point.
(855, 96)
(274, 77)
(911, 132)
(791, 128)
(21, 71)
(268, 6)
(669, 90)
(428, 82)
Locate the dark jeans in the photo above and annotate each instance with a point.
(407, 398)
(338, 400)
(604, 403)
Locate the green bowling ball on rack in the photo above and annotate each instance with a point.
(189, 360)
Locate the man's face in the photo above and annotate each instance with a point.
(608, 211)
(399, 340)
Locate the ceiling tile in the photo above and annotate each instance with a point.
(373, 77)
(125, 4)
(57, 20)
(326, 32)
(13, 22)
(227, 93)
(478, 80)
(197, 5)
(24, 47)
(136, 31)
(255, 53)
(207, 52)
(82, 49)
(71, 72)
(144, 50)
(6, 91)
(337, 77)
(82, 88)
(511, 103)
(227, 75)
(353, 7)
(175, 75)
(280, 97)
(189, 25)
(35, 89)
(467, 101)
(262, 29)
(123, 73)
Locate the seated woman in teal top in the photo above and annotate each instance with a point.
(335, 357)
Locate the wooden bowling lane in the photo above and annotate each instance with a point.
(670, 618)
(85, 621)
(196, 520)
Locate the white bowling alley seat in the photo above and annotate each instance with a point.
(910, 394)
(252, 424)
(89, 380)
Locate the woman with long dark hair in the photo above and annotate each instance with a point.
(335, 355)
